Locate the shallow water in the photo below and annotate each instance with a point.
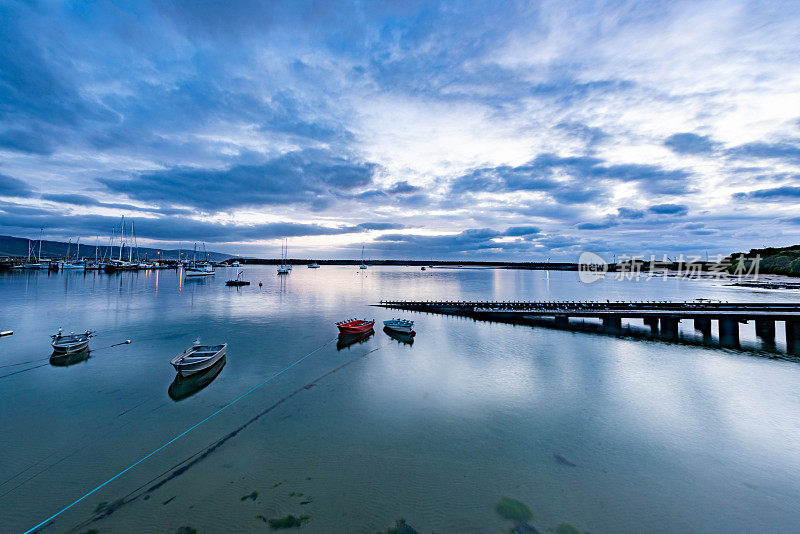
(664, 437)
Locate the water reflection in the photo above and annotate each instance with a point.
(347, 340)
(65, 360)
(186, 386)
(408, 339)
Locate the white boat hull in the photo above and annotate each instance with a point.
(401, 328)
(70, 343)
(199, 273)
(187, 365)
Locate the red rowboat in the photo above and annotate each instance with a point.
(355, 326)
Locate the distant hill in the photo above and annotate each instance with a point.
(774, 260)
(18, 247)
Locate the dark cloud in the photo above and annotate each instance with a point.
(164, 228)
(381, 226)
(689, 143)
(520, 231)
(26, 141)
(786, 191)
(75, 199)
(402, 188)
(570, 180)
(668, 209)
(629, 213)
(309, 177)
(784, 150)
(595, 225)
(14, 187)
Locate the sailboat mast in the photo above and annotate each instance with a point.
(41, 236)
(78, 252)
(122, 238)
(135, 243)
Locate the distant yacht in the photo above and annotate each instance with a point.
(363, 265)
(199, 268)
(283, 268)
(313, 265)
(38, 263)
(72, 264)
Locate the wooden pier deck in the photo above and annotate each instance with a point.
(661, 316)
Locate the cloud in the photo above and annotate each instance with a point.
(595, 225)
(629, 213)
(785, 150)
(572, 179)
(438, 116)
(14, 187)
(164, 228)
(588, 134)
(307, 177)
(519, 231)
(668, 209)
(381, 226)
(782, 192)
(689, 143)
(402, 188)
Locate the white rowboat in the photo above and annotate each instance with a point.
(72, 342)
(198, 358)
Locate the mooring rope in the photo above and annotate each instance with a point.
(176, 438)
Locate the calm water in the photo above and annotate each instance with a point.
(663, 437)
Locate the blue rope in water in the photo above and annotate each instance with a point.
(176, 438)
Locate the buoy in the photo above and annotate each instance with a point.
(259, 284)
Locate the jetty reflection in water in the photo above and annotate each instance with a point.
(347, 340)
(407, 339)
(186, 386)
(65, 360)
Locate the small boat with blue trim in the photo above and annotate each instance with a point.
(404, 326)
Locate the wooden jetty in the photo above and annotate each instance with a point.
(662, 317)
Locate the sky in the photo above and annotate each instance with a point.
(518, 131)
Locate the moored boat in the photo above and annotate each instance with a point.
(313, 265)
(69, 343)
(400, 325)
(198, 358)
(238, 281)
(199, 269)
(355, 326)
(284, 268)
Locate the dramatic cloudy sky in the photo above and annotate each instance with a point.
(471, 129)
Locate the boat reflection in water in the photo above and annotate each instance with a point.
(345, 340)
(59, 359)
(186, 386)
(401, 337)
